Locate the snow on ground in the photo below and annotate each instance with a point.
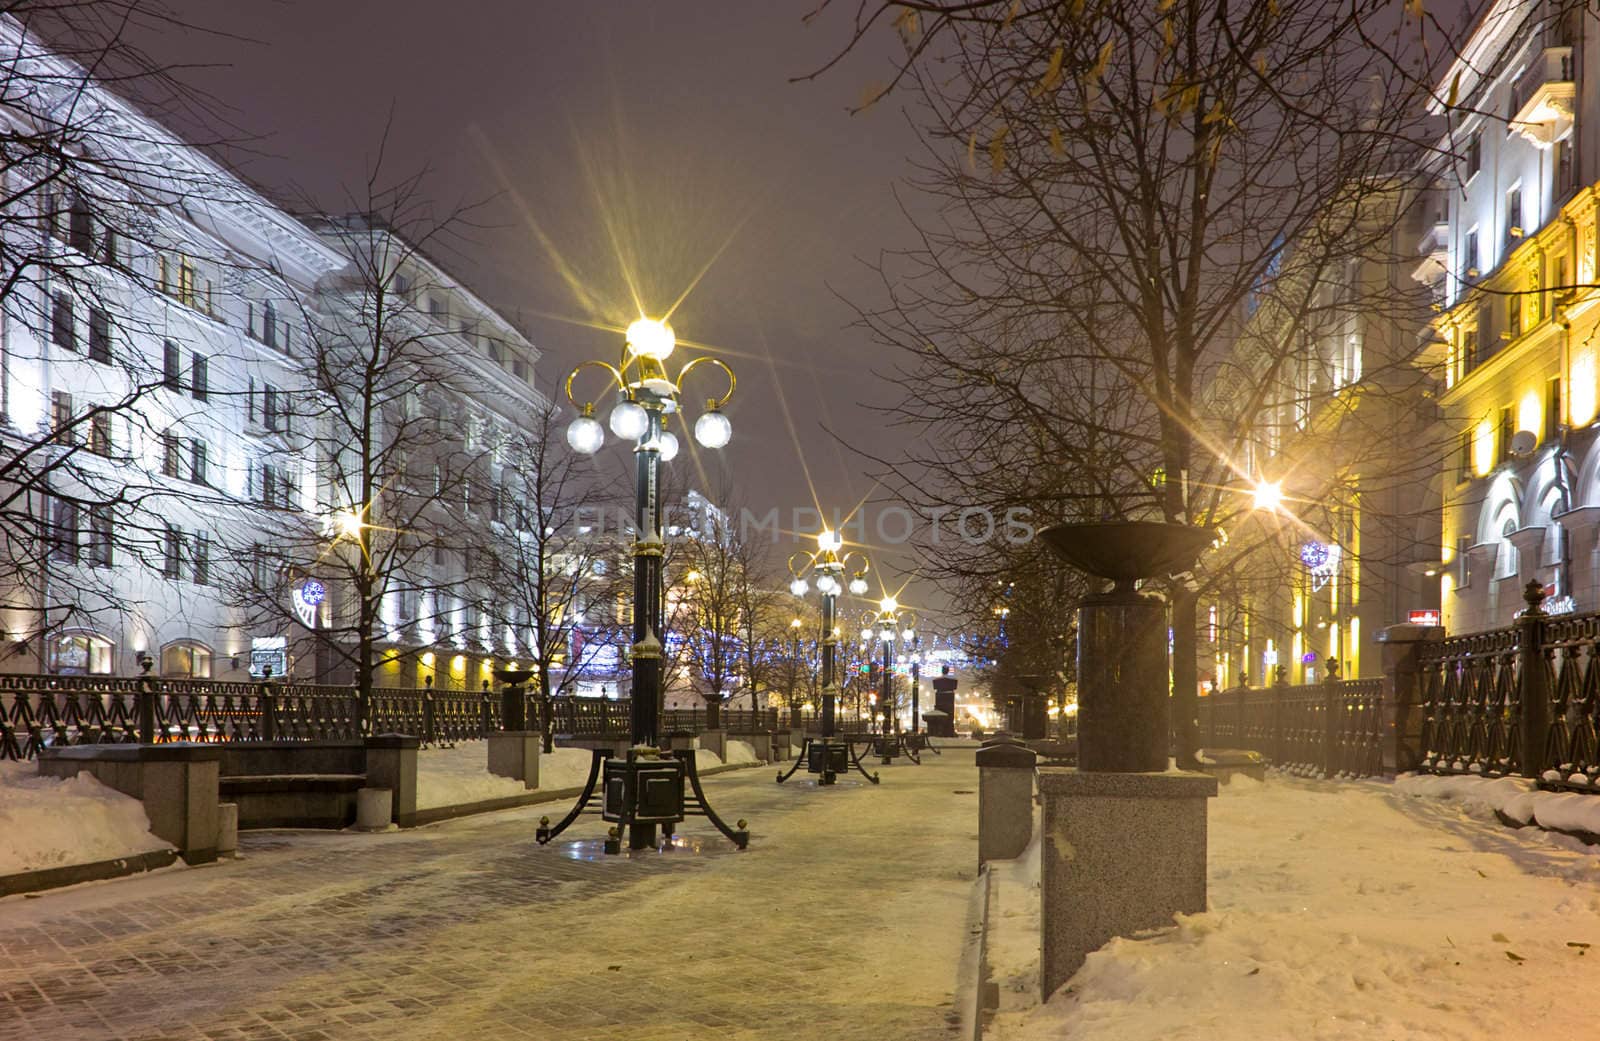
(1348, 912)
(460, 775)
(1012, 950)
(741, 752)
(1515, 797)
(48, 822)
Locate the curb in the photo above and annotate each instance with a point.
(71, 875)
(975, 994)
(435, 814)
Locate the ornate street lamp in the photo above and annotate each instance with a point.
(890, 622)
(646, 788)
(827, 757)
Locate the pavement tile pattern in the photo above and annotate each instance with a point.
(843, 920)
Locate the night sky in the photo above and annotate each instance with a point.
(672, 124)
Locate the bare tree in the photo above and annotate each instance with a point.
(1113, 190)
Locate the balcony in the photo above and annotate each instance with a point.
(1434, 251)
(1544, 97)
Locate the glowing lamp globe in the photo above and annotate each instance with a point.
(629, 421)
(908, 633)
(888, 605)
(858, 586)
(828, 585)
(866, 634)
(667, 445)
(585, 435)
(649, 338)
(798, 587)
(713, 429)
(829, 541)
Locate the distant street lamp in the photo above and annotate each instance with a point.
(646, 788)
(827, 757)
(889, 623)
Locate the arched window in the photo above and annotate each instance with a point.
(81, 654)
(1508, 553)
(186, 660)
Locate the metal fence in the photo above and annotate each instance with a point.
(1491, 708)
(736, 721)
(1335, 728)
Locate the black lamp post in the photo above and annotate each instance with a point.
(828, 757)
(646, 788)
(890, 622)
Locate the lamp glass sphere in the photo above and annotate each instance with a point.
(908, 633)
(629, 420)
(866, 634)
(650, 338)
(798, 587)
(888, 605)
(667, 445)
(829, 541)
(585, 435)
(858, 586)
(713, 429)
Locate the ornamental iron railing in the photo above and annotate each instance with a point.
(1490, 708)
(1335, 727)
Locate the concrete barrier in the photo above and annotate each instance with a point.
(177, 783)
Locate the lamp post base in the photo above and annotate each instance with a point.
(644, 795)
(888, 746)
(827, 757)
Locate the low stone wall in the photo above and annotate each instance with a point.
(177, 783)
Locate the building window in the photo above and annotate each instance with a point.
(171, 366)
(63, 330)
(1474, 155)
(1513, 315)
(200, 556)
(1506, 431)
(1552, 409)
(519, 368)
(187, 660)
(63, 530)
(80, 229)
(172, 553)
(269, 324)
(80, 654)
(100, 433)
(170, 451)
(1469, 348)
(199, 367)
(197, 461)
(99, 335)
(100, 536)
(61, 417)
(1463, 572)
(1508, 557)
(1562, 168)
(1514, 213)
(1471, 258)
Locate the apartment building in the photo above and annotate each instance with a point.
(1512, 259)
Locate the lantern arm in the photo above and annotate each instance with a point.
(616, 377)
(716, 403)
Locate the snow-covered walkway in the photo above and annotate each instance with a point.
(1353, 913)
(843, 920)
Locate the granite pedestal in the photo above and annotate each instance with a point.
(1123, 853)
(1005, 800)
(515, 754)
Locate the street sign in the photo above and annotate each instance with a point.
(1424, 617)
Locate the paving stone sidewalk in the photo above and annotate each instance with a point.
(843, 920)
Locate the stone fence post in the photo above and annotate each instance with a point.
(1403, 647)
(1005, 799)
(1330, 720)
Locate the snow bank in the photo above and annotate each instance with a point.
(1337, 915)
(460, 775)
(741, 752)
(705, 759)
(1012, 944)
(47, 822)
(1514, 797)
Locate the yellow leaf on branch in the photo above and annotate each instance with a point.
(1052, 74)
(1102, 60)
(1055, 142)
(1011, 14)
(997, 149)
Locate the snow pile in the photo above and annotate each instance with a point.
(48, 822)
(1514, 797)
(705, 759)
(741, 752)
(460, 775)
(1341, 914)
(564, 768)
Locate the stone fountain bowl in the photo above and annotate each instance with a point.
(513, 677)
(1127, 550)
